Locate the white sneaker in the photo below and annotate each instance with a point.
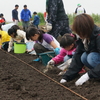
(82, 79)
(63, 81)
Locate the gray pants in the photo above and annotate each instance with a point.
(39, 48)
(25, 25)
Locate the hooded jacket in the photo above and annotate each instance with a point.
(25, 15)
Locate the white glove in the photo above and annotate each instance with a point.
(9, 49)
(51, 62)
(82, 79)
(49, 66)
(48, 26)
(63, 81)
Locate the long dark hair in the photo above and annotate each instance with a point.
(31, 31)
(83, 25)
(67, 40)
(13, 30)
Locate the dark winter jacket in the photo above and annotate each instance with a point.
(55, 10)
(15, 14)
(36, 20)
(76, 65)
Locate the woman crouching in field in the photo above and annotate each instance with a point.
(87, 52)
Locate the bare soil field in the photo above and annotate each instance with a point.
(22, 79)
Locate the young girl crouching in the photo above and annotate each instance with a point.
(68, 45)
(44, 42)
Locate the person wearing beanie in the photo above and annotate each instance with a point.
(79, 10)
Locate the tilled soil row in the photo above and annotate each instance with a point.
(18, 81)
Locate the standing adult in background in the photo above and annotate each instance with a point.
(79, 10)
(57, 18)
(36, 20)
(25, 17)
(15, 15)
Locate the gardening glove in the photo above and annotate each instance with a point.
(85, 77)
(49, 66)
(51, 62)
(63, 81)
(57, 51)
(9, 49)
(48, 26)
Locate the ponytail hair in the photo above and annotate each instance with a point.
(67, 40)
(31, 31)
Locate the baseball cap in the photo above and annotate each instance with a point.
(78, 5)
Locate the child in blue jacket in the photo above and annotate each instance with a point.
(36, 20)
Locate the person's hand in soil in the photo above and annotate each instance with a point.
(50, 65)
(82, 79)
(9, 49)
(51, 62)
(63, 81)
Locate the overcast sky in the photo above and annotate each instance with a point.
(6, 6)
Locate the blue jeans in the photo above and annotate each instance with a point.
(90, 60)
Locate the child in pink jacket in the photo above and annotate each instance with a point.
(68, 44)
(68, 49)
(64, 55)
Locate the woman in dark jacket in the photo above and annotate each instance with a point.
(88, 50)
